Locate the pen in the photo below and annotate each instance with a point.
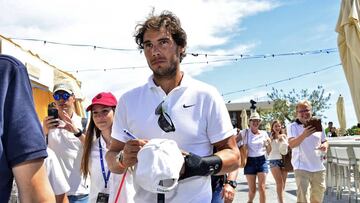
(129, 134)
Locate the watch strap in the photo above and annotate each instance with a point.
(79, 133)
(120, 158)
(232, 183)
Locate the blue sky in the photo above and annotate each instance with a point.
(213, 27)
(293, 26)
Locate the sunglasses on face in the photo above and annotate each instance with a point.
(164, 121)
(303, 111)
(65, 96)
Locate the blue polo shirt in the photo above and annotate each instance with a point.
(20, 130)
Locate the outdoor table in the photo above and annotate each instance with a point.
(346, 141)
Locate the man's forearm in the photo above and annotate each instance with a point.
(233, 175)
(294, 142)
(230, 160)
(228, 152)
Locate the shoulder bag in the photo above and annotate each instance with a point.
(244, 150)
(287, 161)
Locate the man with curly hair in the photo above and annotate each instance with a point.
(174, 106)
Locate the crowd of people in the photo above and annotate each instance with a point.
(101, 163)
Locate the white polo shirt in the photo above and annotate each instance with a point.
(68, 150)
(200, 118)
(304, 156)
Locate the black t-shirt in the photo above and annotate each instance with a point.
(20, 130)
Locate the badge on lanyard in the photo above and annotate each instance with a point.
(102, 198)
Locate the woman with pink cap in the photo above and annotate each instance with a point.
(104, 184)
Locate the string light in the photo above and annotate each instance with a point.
(106, 69)
(283, 80)
(74, 45)
(206, 55)
(301, 53)
(139, 67)
(184, 63)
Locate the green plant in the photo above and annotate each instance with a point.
(285, 102)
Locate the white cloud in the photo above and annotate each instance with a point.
(208, 23)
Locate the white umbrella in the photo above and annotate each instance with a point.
(244, 119)
(341, 115)
(348, 27)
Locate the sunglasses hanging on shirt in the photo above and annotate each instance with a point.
(164, 121)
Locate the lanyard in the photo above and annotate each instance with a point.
(106, 177)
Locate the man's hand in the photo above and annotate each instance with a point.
(324, 147)
(309, 130)
(49, 122)
(130, 151)
(69, 125)
(228, 193)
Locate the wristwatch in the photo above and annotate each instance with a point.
(79, 133)
(232, 183)
(120, 156)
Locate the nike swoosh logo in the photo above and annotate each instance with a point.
(187, 106)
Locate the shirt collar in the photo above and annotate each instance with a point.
(185, 81)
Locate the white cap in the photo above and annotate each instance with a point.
(64, 87)
(159, 165)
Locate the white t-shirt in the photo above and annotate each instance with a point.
(255, 142)
(97, 179)
(200, 118)
(304, 156)
(68, 150)
(56, 177)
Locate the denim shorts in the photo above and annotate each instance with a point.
(256, 165)
(276, 163)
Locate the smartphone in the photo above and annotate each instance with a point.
(53, 112)
(315, 122)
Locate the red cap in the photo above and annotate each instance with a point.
(103, 98)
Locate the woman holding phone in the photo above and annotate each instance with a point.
(104, 184)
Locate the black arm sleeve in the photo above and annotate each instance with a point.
(201, 166)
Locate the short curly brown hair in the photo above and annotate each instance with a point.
(165, 20)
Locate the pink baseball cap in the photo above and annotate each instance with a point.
(103, 98)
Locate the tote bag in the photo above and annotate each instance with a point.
(244, 151)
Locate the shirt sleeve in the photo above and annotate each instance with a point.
(23, 137)
(219, 123)
(119, 123)
(291, 131)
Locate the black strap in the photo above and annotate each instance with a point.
(298, 121)
(160, 198)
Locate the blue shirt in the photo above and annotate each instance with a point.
(20, 130)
